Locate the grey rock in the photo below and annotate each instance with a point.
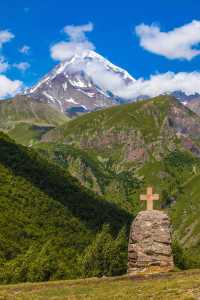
(149, 247)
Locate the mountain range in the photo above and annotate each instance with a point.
(69, 197)
(151, 142)
(118, 153)
(81, 84)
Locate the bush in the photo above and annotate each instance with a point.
(178, 254)
(106, 256)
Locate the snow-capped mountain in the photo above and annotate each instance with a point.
(77, 84)
(86, 82)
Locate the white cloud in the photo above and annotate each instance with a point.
(174, 44)
(178, 43)
(9, 88)
(158, 84)
(169, 82)
(22, 66)
(77, 33)
(65, 50)
(105, 78)
(4, 65)
(77, 42)
(5, 36)
(25, 49)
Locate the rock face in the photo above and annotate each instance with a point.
(149, 247)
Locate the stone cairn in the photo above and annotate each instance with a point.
(149, 249)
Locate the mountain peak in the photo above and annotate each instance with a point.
(78, 85)
(87, 81)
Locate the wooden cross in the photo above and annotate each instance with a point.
(149, 197)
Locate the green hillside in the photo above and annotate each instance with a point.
(50, 226)
(185, 217)
(94, 173)
(119, 151)
(26, 119)
(60, 229)
(153, 119)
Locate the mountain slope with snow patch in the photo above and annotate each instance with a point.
(80, 84)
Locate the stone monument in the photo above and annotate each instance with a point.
(149, 249)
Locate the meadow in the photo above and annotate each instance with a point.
(183, 285)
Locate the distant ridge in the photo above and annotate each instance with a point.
(26, 119)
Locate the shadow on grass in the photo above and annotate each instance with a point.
(58, 184)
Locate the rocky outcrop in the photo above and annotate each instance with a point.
(149, 247)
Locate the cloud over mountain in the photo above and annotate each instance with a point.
(169, 82)
(179, 43)
(76, 43)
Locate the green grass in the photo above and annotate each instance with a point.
(146, 116)
(26, 119)
(27, 133)
(185, 217)
(183, 286)
(25, 109)
(143, 115)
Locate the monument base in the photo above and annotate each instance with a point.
(149, 249)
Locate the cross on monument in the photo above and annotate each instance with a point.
(149, 197)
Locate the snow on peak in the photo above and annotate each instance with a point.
(84, 60)
(86, 78)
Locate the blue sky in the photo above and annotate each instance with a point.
(39, 24)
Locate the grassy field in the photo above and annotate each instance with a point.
(181, 285)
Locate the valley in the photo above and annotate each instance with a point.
(99, 150)
(75, 189)
(130, 146)
(96, 165)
